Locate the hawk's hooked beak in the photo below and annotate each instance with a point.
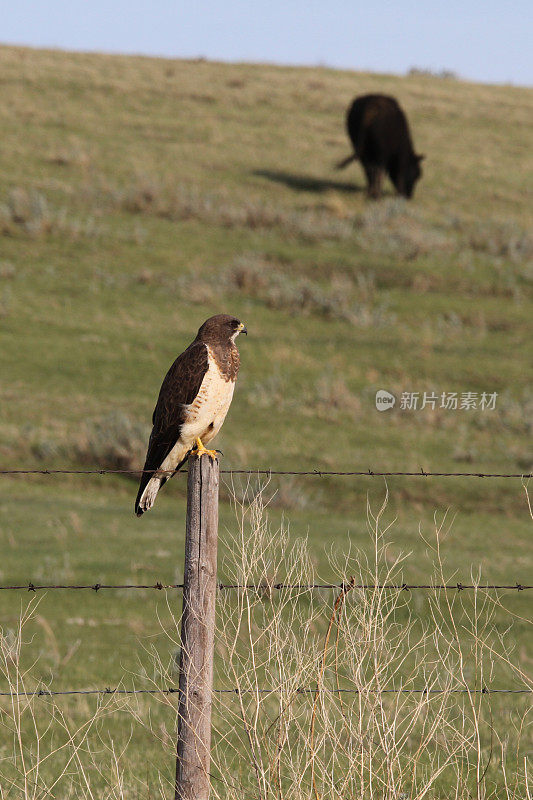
(242, 329)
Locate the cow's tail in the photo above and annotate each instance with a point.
(346, 161)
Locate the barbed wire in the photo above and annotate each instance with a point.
(368, 473)
(302, 690)
(264, 587)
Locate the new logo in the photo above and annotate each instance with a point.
(384, 400)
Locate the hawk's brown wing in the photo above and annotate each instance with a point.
(179, 388)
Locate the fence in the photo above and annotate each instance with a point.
(369, 473)
(198, 618)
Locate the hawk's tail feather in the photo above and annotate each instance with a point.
(147, 498)
(149, 488)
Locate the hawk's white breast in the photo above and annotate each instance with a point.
(205, 415)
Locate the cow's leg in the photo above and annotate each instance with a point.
(400, 184)
(374, 176)
(378, 182)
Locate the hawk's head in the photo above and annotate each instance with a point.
(221, 329)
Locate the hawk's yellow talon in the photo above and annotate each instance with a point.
(202, 450)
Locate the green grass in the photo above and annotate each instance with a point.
(139, 196)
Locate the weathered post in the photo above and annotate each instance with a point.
(197, 630)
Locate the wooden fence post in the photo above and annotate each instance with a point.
(197, 631)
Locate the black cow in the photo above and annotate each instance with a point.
(382, 142)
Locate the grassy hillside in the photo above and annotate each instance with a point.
(139, 196)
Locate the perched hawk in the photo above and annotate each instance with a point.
(192, 404)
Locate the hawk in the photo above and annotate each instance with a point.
(193, 402)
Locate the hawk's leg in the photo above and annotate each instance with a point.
(201, 449)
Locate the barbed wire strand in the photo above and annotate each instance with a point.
(265, 587)
(305, 690)
(369, 473)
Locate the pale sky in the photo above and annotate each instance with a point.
(481, 40)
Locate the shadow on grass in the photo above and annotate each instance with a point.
(306, 183)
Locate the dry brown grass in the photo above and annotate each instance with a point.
(273, 740)
(314, 715)
(45, 750)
